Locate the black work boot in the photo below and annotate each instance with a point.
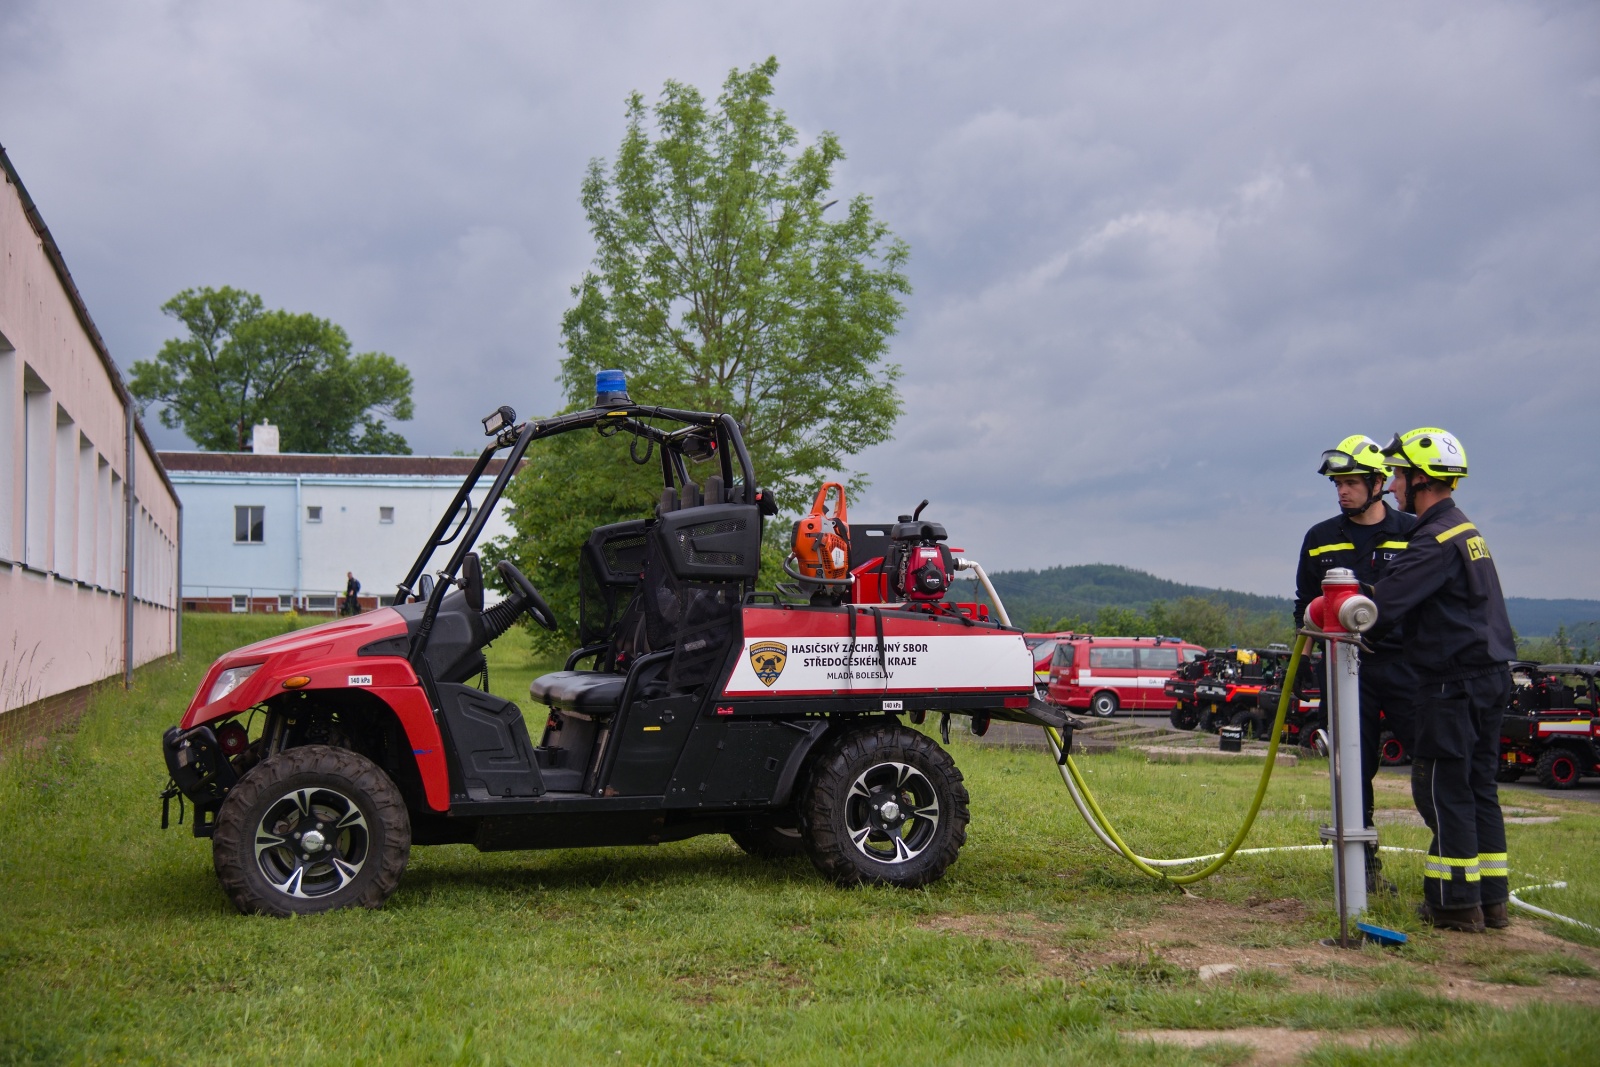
(1376, 882)
(1495, 916)
(1467, 920)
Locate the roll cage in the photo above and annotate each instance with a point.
(701, 435)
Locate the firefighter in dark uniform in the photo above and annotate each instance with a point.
(1444, 592)
(1365, 536)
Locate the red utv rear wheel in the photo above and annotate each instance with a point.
(1558, 769)
(1184, 717)
(885, 805)
(311, 830)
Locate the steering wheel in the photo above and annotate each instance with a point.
(536, 606)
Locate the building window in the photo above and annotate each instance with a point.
(386, 514)
(320, 603)
(9, 406)
(285, 602)
(314, 513)
(386, 600)
(38, 416)
(249, 524)
(241, 602)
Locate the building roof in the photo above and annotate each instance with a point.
(53, 253)
(323, 463)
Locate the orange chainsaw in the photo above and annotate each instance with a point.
(822, 541)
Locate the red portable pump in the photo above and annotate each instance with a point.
(919, 566)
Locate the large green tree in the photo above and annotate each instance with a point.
(241, 364)
(721, 282)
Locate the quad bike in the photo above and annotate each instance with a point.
(694, 704)
(1551, 727)
(1223, 688)
(1306, 723)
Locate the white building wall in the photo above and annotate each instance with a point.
(63, 463)
(304, 556)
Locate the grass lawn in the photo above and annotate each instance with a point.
(1038, 947)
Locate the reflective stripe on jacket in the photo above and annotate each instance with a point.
(1332, 543)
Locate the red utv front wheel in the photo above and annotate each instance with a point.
(311, 830)
(1558, 769)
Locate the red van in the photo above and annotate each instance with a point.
(1042, 647)
(1102, 674)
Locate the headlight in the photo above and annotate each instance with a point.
(229, 680)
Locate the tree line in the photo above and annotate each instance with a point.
(1194, 619)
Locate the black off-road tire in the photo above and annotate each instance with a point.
(1250, 722)
(1391, 750)
(769, 837)
(1308, 736)
(1559, 768)
(368, 834)
(1184, 717)
(1104, 704)
(840, 808)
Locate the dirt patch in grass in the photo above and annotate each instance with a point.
(1266, 941)
(1268, 1046)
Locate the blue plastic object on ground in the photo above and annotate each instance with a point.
(1382, 936)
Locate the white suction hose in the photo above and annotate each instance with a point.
(965, 564)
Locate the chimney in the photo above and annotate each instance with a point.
(264, 439)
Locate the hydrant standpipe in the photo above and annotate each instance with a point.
(1342, 614)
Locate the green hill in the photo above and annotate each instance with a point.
(1083, 590)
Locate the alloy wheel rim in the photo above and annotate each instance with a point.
(311, 843)
(892, 812)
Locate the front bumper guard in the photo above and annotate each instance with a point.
(200, 772)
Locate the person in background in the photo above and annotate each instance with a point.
(1444, 592)
(1365, 536)
(352, 587)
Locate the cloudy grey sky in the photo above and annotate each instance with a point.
(1164, 254)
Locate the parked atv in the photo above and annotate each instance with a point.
(694, 705)
(1222, 688)
(1552, 728)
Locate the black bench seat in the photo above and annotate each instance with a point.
(587, 692)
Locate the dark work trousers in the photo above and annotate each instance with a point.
(1452, 783)
(1388, 702)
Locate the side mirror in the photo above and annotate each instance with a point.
(425, 586)
(472, 581)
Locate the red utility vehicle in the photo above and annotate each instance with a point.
(314, 761)
(1103, 674)
(1552, 728)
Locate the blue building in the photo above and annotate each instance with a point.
(267, 531)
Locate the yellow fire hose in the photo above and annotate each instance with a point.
(1092, 814)
(1089, 808)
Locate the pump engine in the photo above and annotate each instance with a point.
(919, 565)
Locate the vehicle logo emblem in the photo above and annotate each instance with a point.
(767, 659)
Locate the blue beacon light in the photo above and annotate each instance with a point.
(610, 389)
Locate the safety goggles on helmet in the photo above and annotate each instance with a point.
(1355, 455)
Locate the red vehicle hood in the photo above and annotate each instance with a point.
(288, 654)
(362, 628)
